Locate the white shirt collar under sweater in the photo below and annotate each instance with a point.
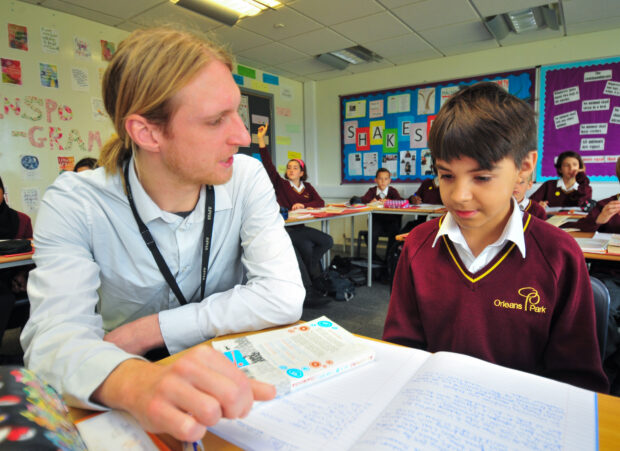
(382, 194)
(512, 232)
(299, 188)
(561, 185)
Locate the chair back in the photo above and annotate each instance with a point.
(601, 308)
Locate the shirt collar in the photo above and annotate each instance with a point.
(513, 231)
(299, 188)
(524, 203)
(149, 210)
(384, 192)
(561, 185)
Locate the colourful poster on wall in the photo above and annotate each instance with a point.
(580, 111)
(406, 115)
(18, 37)
(11, 71)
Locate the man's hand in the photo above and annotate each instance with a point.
(183, 398)
(608, 212)
(137, 337)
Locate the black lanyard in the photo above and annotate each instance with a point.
(207, 231)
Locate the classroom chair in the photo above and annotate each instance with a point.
(601, 308)
(362, 236)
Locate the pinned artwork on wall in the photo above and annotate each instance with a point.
(390, 128)
(580, 111)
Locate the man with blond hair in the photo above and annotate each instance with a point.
(173, 241)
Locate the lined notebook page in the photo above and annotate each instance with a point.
(470, 404)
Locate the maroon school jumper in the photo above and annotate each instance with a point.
(286, 195)
(537, 210)
(534, 314)
(588, 224)
(557, 197)
(371, 194)
(428, 192)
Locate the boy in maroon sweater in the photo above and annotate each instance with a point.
(525, 204)
(485, 279)
(383, 224)
(427, 193)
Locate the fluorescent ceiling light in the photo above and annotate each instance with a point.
(526, 20)
(248, 7)
(227, 11)
(349, 57)
(356, 55)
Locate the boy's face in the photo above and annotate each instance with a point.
(479, 199)
(569, 168)
(521, 188)
(383, 180)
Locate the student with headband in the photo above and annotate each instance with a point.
(294, 192)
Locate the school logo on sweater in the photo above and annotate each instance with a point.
(530, 300)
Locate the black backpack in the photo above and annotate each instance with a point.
(332, 283)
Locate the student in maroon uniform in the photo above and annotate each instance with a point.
(525, 204)
(572, 189)
(427, 193)
(605, 216)
(294, 192)
(485, 279)
(383, 225)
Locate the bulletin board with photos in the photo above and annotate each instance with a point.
(580, 111)
(389, 128)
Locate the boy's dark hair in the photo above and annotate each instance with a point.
(302, 165)
(380, 170)
(563, 156)
(485, 123)
(90, 163)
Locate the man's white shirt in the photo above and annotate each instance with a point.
(94, 272)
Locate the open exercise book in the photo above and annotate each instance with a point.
(410, 399)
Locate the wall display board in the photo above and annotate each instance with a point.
(389, 129)
(580, 111)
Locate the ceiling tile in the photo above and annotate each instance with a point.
(273, 54)
(436, 13)
(406, 44)
(250, 62)
(280, 72)
(372, 28)
(593, 25)
(239, 39)
(318, 41)
(168, 13)
(294, 23)
(129, 26)
(469, 47)
(585, 11)
(457, 34)
(328, 75)
(118, 8)
(85, 13)
(397, 3)
(494, 7)
(330, 12)
(305, 66)
(414, 57)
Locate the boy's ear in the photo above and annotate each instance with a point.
(528, 164)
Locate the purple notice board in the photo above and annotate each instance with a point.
(580, 111)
